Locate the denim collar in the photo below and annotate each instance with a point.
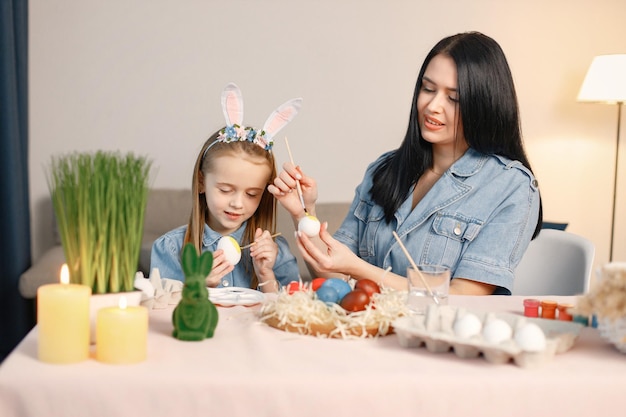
(469, 164)
(448, 189)
(211, 237)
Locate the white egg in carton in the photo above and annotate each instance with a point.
(498, 337)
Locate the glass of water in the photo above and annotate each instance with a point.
(430, 284)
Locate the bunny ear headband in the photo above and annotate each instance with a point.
(232, 106)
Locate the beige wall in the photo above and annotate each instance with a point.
(145, 76)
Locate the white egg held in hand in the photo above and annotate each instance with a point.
(309, 225)
(231, 248)
(467, 326)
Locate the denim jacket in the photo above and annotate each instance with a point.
(166, 252)
(477, 219)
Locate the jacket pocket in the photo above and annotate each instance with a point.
(456, 227)
(370, 218)
(449, 236)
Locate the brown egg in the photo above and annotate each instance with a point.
(369, 286)
(355, 300)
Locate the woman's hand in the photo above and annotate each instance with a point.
(263, 252)
(220, 268)
(284, 189)
(326, 255)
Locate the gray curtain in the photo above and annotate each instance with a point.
(16, 313)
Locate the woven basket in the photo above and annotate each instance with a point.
(614, 330)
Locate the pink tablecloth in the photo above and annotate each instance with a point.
(249, 369)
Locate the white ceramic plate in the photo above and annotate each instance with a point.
(235, 296)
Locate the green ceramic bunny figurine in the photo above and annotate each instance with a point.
(195, 317)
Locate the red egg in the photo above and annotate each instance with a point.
(316, 283)
(367, 285)
(294, 286)
(355, 300)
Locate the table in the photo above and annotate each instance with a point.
(250, 369)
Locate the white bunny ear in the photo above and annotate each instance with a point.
(232, 105)
(282, 116)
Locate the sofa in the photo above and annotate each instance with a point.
(167, 209)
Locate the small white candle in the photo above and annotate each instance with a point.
(122, 334)
(63, 321)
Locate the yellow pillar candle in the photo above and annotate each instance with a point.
(63, 321)
(121, 333)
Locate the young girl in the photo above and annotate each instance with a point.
(458, 192)
(229, 186)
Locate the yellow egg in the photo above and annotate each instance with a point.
(231, 249)
(309, 225)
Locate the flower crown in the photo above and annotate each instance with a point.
(232, 106)
(236, 133)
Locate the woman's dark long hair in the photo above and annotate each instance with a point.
(489, 113)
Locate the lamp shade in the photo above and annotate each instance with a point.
(605, 81)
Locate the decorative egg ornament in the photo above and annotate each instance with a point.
(231, 249)
(316, 283)
(309, 225)
(367, 285)
(328, 294)
(355, 300)
(339, 285)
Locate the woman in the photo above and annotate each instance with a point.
(459, 191)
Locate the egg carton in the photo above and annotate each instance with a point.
(435, 331)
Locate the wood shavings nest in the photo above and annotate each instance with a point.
(302, 313)
(606, 299)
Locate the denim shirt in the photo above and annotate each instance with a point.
(166, 252)
(477, 219)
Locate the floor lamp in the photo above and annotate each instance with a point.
(605, 82)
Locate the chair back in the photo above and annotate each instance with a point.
(556, 263)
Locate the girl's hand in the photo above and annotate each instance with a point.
(221, 268)
(285, 191)
(326, 255)
(263, 253)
